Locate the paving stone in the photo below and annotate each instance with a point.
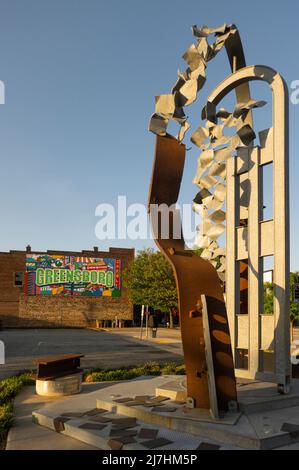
(157, 400)
(207, 446)
(95, 426)
(59, 423)
(126, 439)
(164, 409)
(114, 444)
(150, 405)
(160, 398)
(147, 433)
(134, 403)
(101, 419)
(154, 443)
(122, 400)
(122, 433)
(95, 411)
(72, 414)
(142, 397)
(124, 421)
(292, 429)
(122, 427)
(102, 410)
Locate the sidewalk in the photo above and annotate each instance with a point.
(26, 435)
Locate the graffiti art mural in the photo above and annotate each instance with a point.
(72, 275)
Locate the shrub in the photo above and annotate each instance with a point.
(128, 373)
(168, 369)
(9, 388)
(152, 368)
(6, 419)
(180, 370)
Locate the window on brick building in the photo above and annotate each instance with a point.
(19, 279)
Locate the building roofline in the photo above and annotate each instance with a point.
(94, 252)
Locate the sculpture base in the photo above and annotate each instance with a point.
(174, 390)
(267, 420)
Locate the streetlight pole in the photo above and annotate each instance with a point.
(146, 322)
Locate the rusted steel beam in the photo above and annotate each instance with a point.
(194, 277)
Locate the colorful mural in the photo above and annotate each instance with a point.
(72, 275)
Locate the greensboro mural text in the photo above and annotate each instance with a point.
(48, 274)
(57, 276)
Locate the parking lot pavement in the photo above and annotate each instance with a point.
(166, 335)
(101, 348)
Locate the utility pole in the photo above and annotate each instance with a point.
(141, 324)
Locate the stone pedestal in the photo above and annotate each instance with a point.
(68, 385)
(174, 390)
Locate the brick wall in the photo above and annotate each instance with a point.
(20, 310)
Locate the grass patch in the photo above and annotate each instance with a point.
(131, 372)
(9, 388)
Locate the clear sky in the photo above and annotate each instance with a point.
(80, 78)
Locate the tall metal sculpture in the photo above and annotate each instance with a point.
(229, 168)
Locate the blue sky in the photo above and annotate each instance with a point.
(80, 80)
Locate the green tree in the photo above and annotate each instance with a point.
(294, 306)
(268, 298)
(150, 281)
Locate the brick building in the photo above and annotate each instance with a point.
(33, 294)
